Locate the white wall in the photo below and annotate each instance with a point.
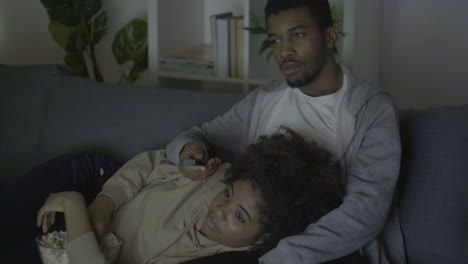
(365, 36)
(417, 49)
(25, 39)
(425, 52)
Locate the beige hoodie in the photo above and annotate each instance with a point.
(158, 215)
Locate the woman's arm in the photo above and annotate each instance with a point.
(125, 184)
(82, 246)
(73, 206)
(100, 214)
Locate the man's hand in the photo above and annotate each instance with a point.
(197, 151)
(100, 213)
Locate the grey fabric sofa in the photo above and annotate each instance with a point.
(44, 112)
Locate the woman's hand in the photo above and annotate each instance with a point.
(197, 151)
(57, 202)
(100, 213)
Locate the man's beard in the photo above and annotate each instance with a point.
(308, 78)
(312, 74)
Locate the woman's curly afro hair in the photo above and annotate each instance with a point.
(297, 182)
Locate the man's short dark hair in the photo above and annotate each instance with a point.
(320, 10)
(297, 182)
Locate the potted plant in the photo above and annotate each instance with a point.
(77, 26)
(130, 49)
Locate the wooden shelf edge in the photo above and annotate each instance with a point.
(199, 77)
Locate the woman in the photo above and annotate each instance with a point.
(277, 187)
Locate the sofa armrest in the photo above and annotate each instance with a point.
(433, 203)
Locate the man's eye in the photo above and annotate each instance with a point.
(274, 41)
(298, 35)
(227, 194)
(240, 218)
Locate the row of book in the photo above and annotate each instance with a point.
(224, 57)
(227, 34)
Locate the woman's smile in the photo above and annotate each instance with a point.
(212, 222)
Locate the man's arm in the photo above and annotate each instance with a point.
(223, 136)
(372, 178)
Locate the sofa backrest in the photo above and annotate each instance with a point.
(45, 112)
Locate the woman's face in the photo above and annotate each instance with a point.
(233, 217)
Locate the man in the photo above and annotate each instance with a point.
(323, 101)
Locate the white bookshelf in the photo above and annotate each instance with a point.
(175, 25)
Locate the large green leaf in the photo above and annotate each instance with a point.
(60, 12)
(52, 3)
(60, 32)
(140, 65)
(265, 45)
(256, 30)
(77, 61)
(88, 8)
(98, 27)
(256, 22)
(76, 42)
(131, 42)
(141, 62)
(55, 8)
(70, 12)
(64, 11)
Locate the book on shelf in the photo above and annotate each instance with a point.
(219, 26)
(232, 47)
(236, 43)
(227, 34)
(197, 60)
(236, 47)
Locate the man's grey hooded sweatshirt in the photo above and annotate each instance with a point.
(369, 142)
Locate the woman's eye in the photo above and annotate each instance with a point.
(240, 218)
(227, 194)
(298, 35)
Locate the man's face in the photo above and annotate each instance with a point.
(297, 44)
(233, 217)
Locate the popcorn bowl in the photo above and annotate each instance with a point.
(52, 247)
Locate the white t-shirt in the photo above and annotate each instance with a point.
(312, 117)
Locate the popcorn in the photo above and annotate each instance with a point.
(52, 247)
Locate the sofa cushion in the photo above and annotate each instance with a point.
(434, 179)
